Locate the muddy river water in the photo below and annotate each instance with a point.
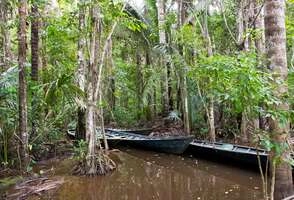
(143, 175)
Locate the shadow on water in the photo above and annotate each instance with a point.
(143, 175)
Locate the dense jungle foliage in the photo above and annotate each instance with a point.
(203, 66)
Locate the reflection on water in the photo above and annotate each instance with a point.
(146, 175)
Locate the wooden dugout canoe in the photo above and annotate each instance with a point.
(229, 153)
(166, 144)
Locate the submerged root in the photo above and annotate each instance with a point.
(99, 164)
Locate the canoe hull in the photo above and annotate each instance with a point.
(174, 146)
(228, 156)
(166, 144)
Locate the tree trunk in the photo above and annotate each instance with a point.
(260, 46)
(34, 60)
(43, 45)
(179, 99)
(170, 88)
(81, 124)
(211, 120)
(106, 147)
(101, 163)
(22, 90)
(139, 85)
(185, 105)
(91, 131)
(275, 34)
(183, 93)
(35, 41)
(91, 97)
(111, 79)
(244, 128)
(210, 113)
(5, 40)
(154, 102)
(243, 45)
(259, 26)
(240, 26)
(81, 72)
(150, 107)
(163, 63)
(248, 10)
(2, 41)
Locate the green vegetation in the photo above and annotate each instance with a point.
(87, 63)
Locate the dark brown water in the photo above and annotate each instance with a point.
(145, 175)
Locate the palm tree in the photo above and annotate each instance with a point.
(35, 40)
(275, 34)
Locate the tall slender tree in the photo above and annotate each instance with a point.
(81, 72)
(6, 57)
(35, 40)
(260, 47)
(259, 26)
(97, 162)
(183, 97)
(210, 113)
(22, 90)
(91, 115)
(243, 13)
(209, 106)
(162, 41)
(34, 58)
(139, 84)
(2, 29)
(111, 77)
(248, 17)
(275, 34)
(240, 21)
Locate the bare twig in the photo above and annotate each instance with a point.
(226, 24)
(263, 178)
(250, 26)
(289, 198)
(256, 16)
(34, 187)
(273, 181)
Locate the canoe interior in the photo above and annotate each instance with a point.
(235, 148)
(136, 131)
(133, 136)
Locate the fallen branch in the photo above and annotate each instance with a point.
(289, 198)
(35, 186)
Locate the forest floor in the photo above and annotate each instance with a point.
(16, 184)
(36, 182)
